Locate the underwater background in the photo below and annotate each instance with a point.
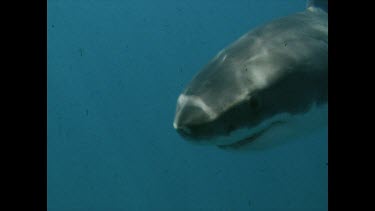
(115, 70)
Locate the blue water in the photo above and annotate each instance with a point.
(115, 70)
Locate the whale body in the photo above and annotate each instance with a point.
(273, 75)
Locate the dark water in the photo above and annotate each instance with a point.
(115, 69)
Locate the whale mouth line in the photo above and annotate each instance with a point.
(251, 138)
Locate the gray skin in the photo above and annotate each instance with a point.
(280, 67)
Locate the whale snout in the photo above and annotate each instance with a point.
(187, 116)
(191, 113)
(190, 124)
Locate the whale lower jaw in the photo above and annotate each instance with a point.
(252, 136)
(278, 128)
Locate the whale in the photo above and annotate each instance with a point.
(273, 78)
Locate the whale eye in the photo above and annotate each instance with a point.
(230, 128)
(255, 103)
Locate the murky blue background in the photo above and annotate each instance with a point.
(115, 69)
